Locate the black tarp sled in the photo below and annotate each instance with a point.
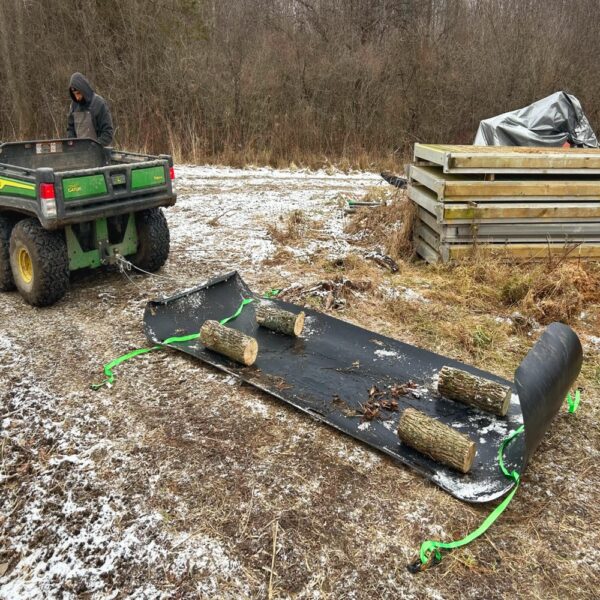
(329, 370)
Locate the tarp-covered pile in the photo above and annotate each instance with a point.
(551, 121)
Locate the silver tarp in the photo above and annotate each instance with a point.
(551, 121)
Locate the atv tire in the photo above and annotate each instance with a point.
(153, 240)
(39, 262)
(6, 279)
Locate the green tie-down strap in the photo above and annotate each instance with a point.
(430, 549)
(108, 367)
(574, 401)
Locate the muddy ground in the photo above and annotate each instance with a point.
(179, 482)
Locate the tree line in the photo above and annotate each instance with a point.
(310, 81)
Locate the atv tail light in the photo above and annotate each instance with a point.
(172, 173)
(47, 191)
(48, 200)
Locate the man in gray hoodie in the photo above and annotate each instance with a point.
(89, 115)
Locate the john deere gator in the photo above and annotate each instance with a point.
(71, 204)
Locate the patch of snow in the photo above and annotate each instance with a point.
(593, 340)
(481, 489)
(69, 531)
(217, 207)
(413, 296)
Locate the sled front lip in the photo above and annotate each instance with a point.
(329, 370)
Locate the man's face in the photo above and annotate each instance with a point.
(77, 95)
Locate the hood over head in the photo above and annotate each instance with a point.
(79, 82)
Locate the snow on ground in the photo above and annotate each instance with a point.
(74, 521)
(74, 531)
(244, 201)
(179, 483)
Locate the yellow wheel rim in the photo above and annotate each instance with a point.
(25, 266)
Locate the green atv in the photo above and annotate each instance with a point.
(72, 204)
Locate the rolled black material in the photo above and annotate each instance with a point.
(544, 378)
(329, 370)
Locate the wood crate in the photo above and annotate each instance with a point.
(548, 204)
(503, 159)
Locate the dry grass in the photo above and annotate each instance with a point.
(466, 317)
(291, 158)
(389, 225)
(293, 227)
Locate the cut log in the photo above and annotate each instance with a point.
(469, 389)
(230, 342)
(277, 319)
(439, 441)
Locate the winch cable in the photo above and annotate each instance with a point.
(125, 265)
(429, 552)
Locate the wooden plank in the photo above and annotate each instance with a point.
(430, 220)
(519, 239)
(547, 212)
(448, 186)
(427, 235)
(438, 155)
(477, 211)
(579, 231)
(517, 159)
(525, 251)
(430, 177)
(426, 252)
(426, 199)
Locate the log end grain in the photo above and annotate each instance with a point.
(299, 323)
(250, 352)
(276, 319)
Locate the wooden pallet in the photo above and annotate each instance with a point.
(518, 160)
(515, 202)
(475, 211)
(501, 234)
(449, 186)
(532, 251)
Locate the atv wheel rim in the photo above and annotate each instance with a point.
(25, 266)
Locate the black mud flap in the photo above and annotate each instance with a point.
(329, 370)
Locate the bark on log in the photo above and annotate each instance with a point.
(475, 391)
(439, 441)
(277, 319)
(230, 342)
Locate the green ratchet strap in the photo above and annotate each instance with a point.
(108, 367)
(430, 549)
(235, 315)
(574, 402)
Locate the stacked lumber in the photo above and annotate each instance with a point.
(524, 202)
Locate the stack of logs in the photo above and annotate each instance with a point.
(441, 442)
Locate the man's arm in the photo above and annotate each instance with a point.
(71, 125)
(104, 125)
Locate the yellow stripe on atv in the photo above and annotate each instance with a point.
(16, 184)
